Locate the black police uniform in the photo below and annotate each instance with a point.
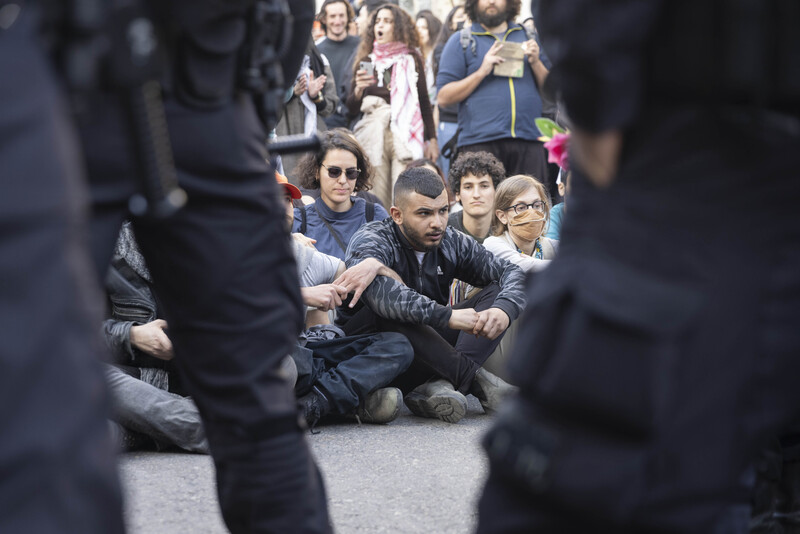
(660, 348)
(222, 266)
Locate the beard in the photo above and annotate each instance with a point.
(417, 240)
(490, 21)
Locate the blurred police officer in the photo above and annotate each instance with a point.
(222, 264)
(660, 350)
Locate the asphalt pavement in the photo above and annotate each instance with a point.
(414, 475)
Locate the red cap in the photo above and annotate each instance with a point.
(294, 192)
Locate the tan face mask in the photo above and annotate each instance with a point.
(528, 225)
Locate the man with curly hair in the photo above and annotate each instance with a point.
(496, 111)
(474, 178)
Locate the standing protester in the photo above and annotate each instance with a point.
(389, 89)
(428, 27)
(448, 115)
(231, 321)
(309, 101)
(338, 46)
(664, 363)
(496, 112)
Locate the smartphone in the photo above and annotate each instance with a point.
(367, 66)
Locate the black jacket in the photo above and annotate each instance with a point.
(424, 297)
(131, 302)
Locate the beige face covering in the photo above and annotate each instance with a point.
(528, 225)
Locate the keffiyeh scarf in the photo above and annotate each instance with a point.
(406, 121)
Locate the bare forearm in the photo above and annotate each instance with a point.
(540, 73)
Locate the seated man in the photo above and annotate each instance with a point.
(148, 406)
(474, 178)
(450, 343)
(340, 375)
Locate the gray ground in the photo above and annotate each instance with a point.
(413, 475)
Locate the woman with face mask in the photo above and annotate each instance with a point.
(520, 219)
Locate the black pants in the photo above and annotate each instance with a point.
(438, 353)
(659, 350)
(222, 267)
(347, 369)
(518, 156)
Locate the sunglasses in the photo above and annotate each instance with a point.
(334, 172)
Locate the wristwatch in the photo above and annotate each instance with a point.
(319, 98)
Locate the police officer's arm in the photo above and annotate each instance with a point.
(459, 90)
(599, 70)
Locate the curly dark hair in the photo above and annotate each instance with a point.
(405, 31)
(322, 15)
(512, 9)
(307, 169)
(476, 164)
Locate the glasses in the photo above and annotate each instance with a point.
(537, 205)
(334, 172)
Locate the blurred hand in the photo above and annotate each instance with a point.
(491, 59)
(432, 149)
(463, 319)
(315, 85)
(358, 277)
(151, 339)
(301, 86)
(531, 50)
(363, 80)
(304, 240)
(323, 297)
(491, 323)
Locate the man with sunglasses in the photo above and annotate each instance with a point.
(451, 343)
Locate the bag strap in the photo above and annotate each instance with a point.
(369, 211)
(334, 234)
(303, 219)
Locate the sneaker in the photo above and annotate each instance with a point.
(313, 407)
(438, 400)
(490, 389)
(381, 406)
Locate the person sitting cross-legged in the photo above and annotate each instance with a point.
(450, 343)
(338, 374)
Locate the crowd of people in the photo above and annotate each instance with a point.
(411, 271)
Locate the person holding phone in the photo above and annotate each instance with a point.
(339, 169)
(389, 88)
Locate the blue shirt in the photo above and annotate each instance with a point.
(554, 226)
(500, 107)
(343, 223)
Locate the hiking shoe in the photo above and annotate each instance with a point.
(438, 400)
(490, 389)
(380, 406)
(313, 407)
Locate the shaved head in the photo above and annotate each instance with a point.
(417, 180)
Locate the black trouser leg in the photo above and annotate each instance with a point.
(56, 456)
(225, 277)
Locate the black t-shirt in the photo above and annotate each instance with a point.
(338, 54)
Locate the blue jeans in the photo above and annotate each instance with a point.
(166, 417)
(347, 369)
